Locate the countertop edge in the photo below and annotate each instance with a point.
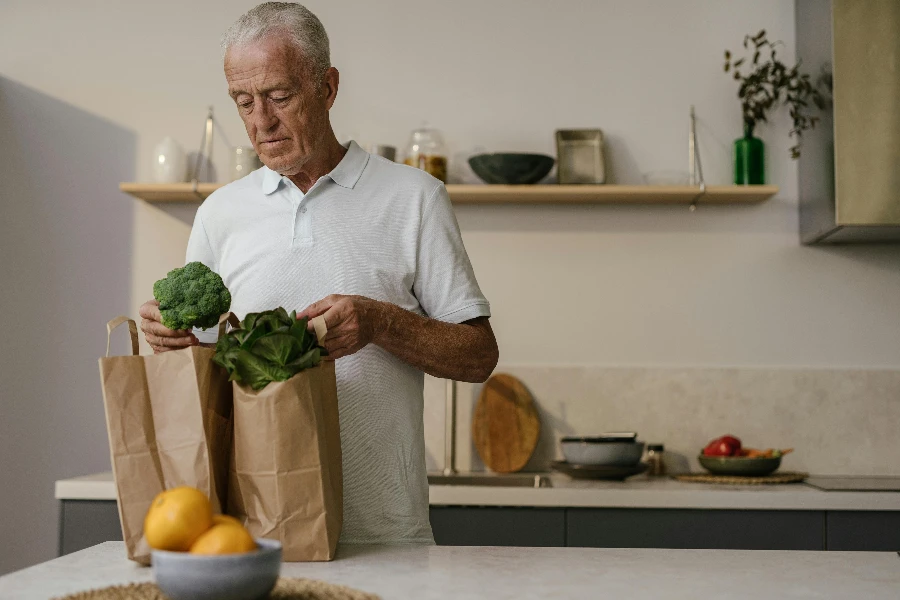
(101, 487)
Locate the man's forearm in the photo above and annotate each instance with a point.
(464, 352)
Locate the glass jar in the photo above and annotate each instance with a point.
(426, 150)
(656, 467)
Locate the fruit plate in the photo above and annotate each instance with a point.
(597, 471)
(740, 465)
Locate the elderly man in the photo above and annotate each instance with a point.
(372, 245)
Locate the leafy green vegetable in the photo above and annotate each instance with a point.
(191, 296)
(268, 346)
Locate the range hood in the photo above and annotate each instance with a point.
(849, 170)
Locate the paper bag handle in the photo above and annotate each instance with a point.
(132, 329)
(318, 324)
(229, 318)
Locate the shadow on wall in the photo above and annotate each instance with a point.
(65, 242)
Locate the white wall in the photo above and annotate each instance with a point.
(568, 285)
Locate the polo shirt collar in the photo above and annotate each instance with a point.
(345, 174)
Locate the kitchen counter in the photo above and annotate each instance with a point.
(636, 492)
(438, 572)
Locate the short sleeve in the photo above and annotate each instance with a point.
(445, 284)
(200, 250)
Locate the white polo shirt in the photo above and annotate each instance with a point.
(370, 227)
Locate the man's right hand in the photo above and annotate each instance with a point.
(160, 337)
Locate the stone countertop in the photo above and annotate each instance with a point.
(636, 492)
(438, 572)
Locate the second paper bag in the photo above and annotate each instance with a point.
(286, 478)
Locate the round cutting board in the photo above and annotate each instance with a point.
(505, 427)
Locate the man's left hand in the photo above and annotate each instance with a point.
(352, 322)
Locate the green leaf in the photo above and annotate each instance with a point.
(300, 333)
(250, 321)
(308, 360)
(250, 337)
(257, 372)
(269, 322)
(226, 359)
(282, 315)
(279, 348)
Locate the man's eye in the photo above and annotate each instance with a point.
(281, 98)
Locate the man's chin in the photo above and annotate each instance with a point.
(281, 165)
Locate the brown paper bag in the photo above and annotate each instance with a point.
(169, 422)
(286, 479)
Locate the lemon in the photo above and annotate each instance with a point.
(177, 517)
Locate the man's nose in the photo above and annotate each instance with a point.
(265, 118)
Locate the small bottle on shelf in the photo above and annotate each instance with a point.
(654, 460)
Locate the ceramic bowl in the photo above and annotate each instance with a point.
(740, 465)
(247, 576)
(601, 451)
(511, 168)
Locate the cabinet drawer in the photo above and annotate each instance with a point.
(873, 531)
(676, 528)
(490, 526)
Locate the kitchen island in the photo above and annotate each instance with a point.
(436, 572)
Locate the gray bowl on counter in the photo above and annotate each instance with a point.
(247, 576)
(601, 450)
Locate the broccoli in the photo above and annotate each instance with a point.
(192, 296)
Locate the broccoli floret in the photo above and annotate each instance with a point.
(191, 296)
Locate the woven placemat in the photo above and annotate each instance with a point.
(285, 589)
(786, 477)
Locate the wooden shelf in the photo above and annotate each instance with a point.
(169, 192)
(517, 194)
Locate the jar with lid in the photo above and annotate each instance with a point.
(426, 150)
(656, 467)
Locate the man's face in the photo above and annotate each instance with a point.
(284, 106)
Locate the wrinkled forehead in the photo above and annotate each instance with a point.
(270, 60)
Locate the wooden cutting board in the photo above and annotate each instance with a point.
(505, 426)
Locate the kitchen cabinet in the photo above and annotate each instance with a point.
(85, 523)
(677, 528)
(498, 526)
(863, 530)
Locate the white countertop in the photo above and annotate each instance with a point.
(636, 492)
(444, 572)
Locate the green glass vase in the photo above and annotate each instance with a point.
(749, 159)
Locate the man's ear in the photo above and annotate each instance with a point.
(330, 86)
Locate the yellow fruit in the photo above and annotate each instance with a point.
(176, 518)
(225, 538)
(226, 520)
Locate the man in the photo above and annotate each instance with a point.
(370, 244)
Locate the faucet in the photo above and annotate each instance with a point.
(450, 428)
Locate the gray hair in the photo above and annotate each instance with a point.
(304, 30)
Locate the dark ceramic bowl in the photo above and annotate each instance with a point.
(247, 576)
(511, 168)
(740, 465)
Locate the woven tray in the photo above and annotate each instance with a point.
(785, 477)
(285, 589)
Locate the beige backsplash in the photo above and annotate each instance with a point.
(838, 421)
